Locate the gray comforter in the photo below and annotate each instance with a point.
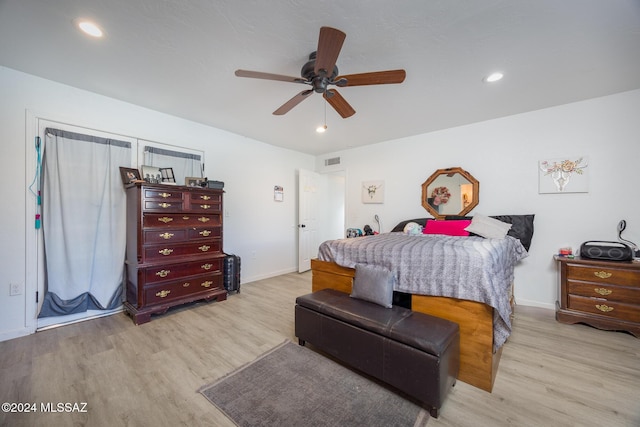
(471, 268)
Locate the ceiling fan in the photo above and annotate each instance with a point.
(321, 72)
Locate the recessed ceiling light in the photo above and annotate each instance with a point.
(494, 77)
(89, 28)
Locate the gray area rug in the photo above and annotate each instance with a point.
(292, 385)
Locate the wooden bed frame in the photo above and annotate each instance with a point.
(478, 362)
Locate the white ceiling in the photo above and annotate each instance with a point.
(179, 57)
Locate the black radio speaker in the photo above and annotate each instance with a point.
(609, 251)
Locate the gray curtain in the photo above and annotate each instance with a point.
(83, 222)
(183, 164)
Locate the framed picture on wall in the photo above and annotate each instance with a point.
(373, 192)
(129, 175)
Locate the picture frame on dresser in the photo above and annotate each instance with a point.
(167, 176)
(151, 174)
(129, 175)
(194, 181)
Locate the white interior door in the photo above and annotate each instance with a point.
(308, 184)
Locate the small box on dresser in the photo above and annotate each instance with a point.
(174, 248)
(603, 294)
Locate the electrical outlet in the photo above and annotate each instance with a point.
(16, 289)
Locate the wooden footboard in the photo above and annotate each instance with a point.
(478, 362)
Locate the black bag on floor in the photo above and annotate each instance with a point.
(231, 273)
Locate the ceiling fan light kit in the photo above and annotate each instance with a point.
(321, 71)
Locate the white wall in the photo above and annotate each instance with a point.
(503, 155)
(250, 169)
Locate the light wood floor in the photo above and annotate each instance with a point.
(550, 374)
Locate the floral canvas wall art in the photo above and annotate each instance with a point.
(563, 175)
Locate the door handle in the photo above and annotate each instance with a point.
(301, 225)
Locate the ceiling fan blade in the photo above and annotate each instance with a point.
(329, 45)
(339, 103)
(374, 78)
(287, 106)
(268, 76)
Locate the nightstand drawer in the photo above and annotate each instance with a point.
(604, 274)
(604, 291)
(618, 310)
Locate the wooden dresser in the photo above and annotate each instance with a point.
(174, 248)
(603, 294)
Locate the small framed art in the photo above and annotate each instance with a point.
(166, 174)
(193, 181)
(373, 192)
(129, 175)
(151, 174)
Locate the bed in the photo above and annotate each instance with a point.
(467, 280)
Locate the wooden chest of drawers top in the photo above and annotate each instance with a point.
(163, 198)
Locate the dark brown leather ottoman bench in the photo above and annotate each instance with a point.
(416, 353)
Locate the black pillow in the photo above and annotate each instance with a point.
(521, 226)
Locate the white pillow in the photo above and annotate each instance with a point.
(487, 227)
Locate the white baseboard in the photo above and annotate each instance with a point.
(530, 303)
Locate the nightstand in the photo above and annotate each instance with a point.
(603, 294)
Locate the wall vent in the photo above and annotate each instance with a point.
(332, 161)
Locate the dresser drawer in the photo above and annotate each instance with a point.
(163, 205)
(167, 252)
(604, 275)
(613, 309)
(604, 291)
(181, 220)
(165, 292)
(164, 235)
(172, 272)
(204, 233)
(205, 197)
(163, 194)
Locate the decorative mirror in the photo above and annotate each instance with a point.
(452, 191)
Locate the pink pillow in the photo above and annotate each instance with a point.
(455, 227)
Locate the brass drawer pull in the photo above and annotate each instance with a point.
(206, 266)
(603, 291)
(186, 284)
(204, 248)
(206, 284)
(204, 219)
(165, 252)
(205, 206)
(165, 195)
(163, 294)
(164, 205)
(205, 197)
(602, 274)
(604, 308)
(163, 273)
(165, 219)
(205, 233)
(166, 236)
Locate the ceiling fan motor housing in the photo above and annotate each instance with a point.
(319, 82)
